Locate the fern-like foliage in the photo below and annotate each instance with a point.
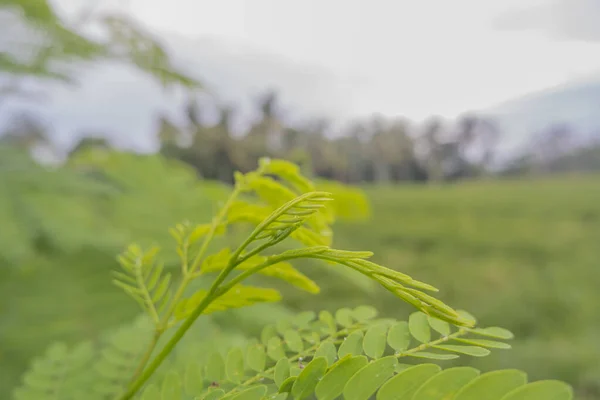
(60, 374)
(350, 354)
(144, 280)
(117, 358)
(355, 356)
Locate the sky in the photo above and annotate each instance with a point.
(405, 56)
(345, 58)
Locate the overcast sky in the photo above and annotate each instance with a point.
(354, 57)
(406, 56)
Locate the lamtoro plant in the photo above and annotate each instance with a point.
(350, 354)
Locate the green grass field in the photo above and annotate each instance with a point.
(524, 255)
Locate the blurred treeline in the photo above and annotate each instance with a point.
(376, 149)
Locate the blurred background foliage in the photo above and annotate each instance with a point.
(517, 245)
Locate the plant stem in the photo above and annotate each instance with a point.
(187, 277)
(147, 354)
(309, 351)
(425, 346)
(214, 292)
(216, 222)
(270, 261)
(170, 345)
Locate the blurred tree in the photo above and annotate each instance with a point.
(25, 131)
(266, 136)
(432, 149)
(42, 46)
(550, 145)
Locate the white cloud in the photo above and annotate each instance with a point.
(561, 19)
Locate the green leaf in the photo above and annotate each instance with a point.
(295, 370)
(216, 262)
(289, 274)
(282, 326)
(541, 390)
(327, 349)
(199, 232)
(253, 393)
(329, 321)
(402, 367)
(419, 327)
(288, 218)
(256, 357)
(368, 379)
(494, 332)
(445, 384)
(171, 387)
(267, 333)
(332, 384)
(374, 341)
(193, 379)
(467, 316)
(352, 344)
(151, 392)
(309, 377)
(288, 171)
(238, 296)
(484, 343)
(303, 320)
(473, 351)
(399, 336)
(286, 386)
(312, 338)
(275, 349)
(215, 368)
(442, 327)
(282, 371)
(293, 340)
(364, 313)
(343, 316)
(234, 366)
(492, 385)
(281, 270)
(142, 278)
(406, 383)
(432, 356)
(214, 394)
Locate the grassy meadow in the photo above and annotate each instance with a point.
(522, 254)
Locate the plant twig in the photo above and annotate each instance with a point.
(163, 325)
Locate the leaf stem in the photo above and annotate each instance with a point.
(428, 345)
(310, 351)
(214, 292)
(307, 352)
(147, 373)
(164, 323)
(142, 373)
(147, 354)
